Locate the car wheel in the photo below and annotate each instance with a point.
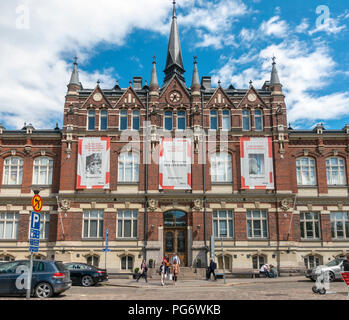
(315, 289)
(43, 290)
(322, 291)
(87, 281)
(332, 277)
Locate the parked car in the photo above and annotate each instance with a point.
(86, 275)
(334, 267)
(49, 278)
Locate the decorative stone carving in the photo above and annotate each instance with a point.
(310, 206)
(127, 204)
(65, 204)
(285, 204)
(13, 152)
(257, 204)
(152, 205)
(27, 150)
(43, 152)
(197, 204)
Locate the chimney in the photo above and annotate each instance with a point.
(206, 82)
(137, 83)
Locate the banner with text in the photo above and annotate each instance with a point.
(256, 163)
(93, 163)
(175, 164)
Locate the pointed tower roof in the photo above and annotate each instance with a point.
(154, 85)
(174, 62)
(74, 79)
(274, 79)
(195, 85)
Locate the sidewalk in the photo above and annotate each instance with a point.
(131, 283)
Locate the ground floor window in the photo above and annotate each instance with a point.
(7, 258)
(227, 263)
(93, 261)
(258, 261)
(127, 263)
(257, 224)
(312, 261)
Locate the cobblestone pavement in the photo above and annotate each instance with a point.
(293, 288)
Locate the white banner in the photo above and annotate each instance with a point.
(175, 164)
(93, 163)
(256, 163)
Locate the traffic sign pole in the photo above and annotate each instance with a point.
(30, 273)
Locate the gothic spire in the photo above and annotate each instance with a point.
(195, 85)
(174, 62)
(274, 79)
(154, 85)
(74, 79)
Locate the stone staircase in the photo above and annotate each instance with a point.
(186, 273)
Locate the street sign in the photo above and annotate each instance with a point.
(34, 232)
(106, 249)
(37, 203)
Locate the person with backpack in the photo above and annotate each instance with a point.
(143, 271)
(211, 269)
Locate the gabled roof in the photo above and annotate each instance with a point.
(97, 89)
(174, 77)
(215, 94)
(252, 90)
(121, 100)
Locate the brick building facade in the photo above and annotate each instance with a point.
(302, 220)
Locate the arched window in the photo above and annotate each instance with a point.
(123, 119)
(246, 120)
(168, 120)
(312, 261)
(127, 263)
(6, 258)
(103, 120)
(335, 171)
(306, 171)
(213, 120)
(43, 167)
(227, 262)
(221, 167)
(91, 120)
(93, 260)
(136, 120)
(128, 167)
(13, 171)
(258, 120)
(258, 261)
(181, 120)
(226, 123)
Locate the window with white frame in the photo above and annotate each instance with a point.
(311, 261)
(127, 263)
(136, 120)
(93, 221)
(226, 123)
(306, 171)
(181, 120)
(8, 225)
(221, 167)
(310, 225)
(258, 261)
(246, 120)
(213, 120)
(91, 120)
(257, 224)
(128, 167)
(92, 261)
(43, 167)
(123, 119)
(44, 225)
(168, 120)
(340, 225)
(222, 223)
(335, 171)
(258, 120)
(13, 171)
(103, 119)
(127, 223)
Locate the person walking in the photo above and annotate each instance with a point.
(175, 257)
(167, 265)
(163, 272)
(346, 263)
(174, 271)
(211, 269)
(143, 271)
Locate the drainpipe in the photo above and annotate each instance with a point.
(204, 170)
(146, 183)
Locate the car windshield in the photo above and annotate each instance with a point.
(334, 263)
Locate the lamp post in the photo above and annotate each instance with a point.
(223, 260)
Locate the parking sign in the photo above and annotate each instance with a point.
(34, 232)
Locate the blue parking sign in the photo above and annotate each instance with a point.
(34, 232)
(35, 221)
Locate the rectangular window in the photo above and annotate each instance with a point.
(223, 223)
(8, 225)
(123, 119)
(257, 224)
(181, 122)
(310, 225)
(127, 224)
(13, 171)
(246, 123)
(44, 225)
(306, 171)
(136, 120)
(104, 119)
(168, 121)
(93, 222)
(226, 125)
(258, 120)
(335, 171)
(213, 120)
(91, 120)
(340, 225)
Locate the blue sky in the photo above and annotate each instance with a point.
(233, 39)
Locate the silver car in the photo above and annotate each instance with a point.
(334, 267)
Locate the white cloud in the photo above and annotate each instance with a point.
(303, 26)
(330, 26)
(274, 27)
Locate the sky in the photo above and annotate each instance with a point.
(234, 41)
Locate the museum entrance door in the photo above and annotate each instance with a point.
(175, 235)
